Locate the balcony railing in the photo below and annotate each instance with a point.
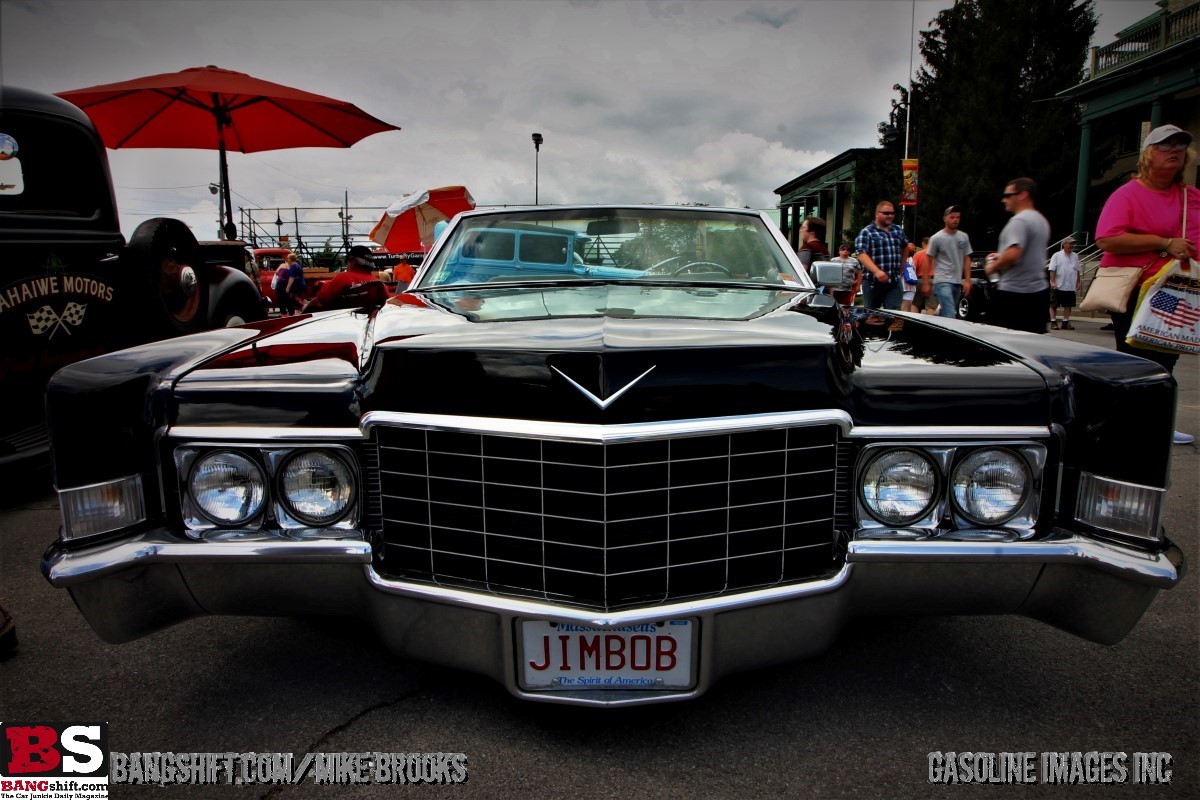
(1151, 38)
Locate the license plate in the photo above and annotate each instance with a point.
(564, 655)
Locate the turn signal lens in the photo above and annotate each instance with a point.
(102, 507)
(989, 486)
(899, 486)
(317, 487)
(227, 488)
(1119, 507)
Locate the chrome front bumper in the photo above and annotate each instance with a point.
(131, 587)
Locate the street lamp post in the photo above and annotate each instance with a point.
(217, 189)
(537, 148)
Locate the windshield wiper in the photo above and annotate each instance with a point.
(515, 283)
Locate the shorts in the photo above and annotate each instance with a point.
(1063, 299)
(909, 295)
(925, 301)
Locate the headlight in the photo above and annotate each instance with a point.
(989, 486)
(316, 487)
(899, 486)
(227, 488)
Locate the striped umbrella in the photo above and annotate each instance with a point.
(407, 224)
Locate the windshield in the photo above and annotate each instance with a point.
(638, 244)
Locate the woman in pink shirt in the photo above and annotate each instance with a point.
(1142, 223)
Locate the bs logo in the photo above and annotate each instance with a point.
(49, 751)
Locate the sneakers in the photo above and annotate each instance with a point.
(1067, 326)
(1183, 438)
(1053, 326)
(1107, 327)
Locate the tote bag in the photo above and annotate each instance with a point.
(1168, 311)
(1110, 289)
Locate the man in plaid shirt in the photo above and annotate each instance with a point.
(882, 248)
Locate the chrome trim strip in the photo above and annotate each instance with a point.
(539, 610)
(628, 699)
(1161, 491)
(607, 434)
(586, 432)
(603, 404)
(920, 433)
(76, 566)
(238, 433)
(194, 384)
(1151, 568)
(59, 490)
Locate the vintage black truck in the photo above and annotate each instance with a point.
(71, 287)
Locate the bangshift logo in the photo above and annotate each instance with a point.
(69, 759)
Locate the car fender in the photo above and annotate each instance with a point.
(112, 405)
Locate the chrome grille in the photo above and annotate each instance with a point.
(605, 525)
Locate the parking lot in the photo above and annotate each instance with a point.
(859, 721)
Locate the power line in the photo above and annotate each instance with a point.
(194, 186)
(301, 177)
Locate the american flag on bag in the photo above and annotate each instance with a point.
(1175, 311)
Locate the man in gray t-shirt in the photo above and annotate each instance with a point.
(950, 250)
(1021, 295)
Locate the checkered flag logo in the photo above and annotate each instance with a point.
(47, 319)
(73, 315)
(43, 320)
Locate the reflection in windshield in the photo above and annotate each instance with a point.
(637, 244)
(623, 300)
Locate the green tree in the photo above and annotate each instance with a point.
(327, 257)
(985, 111)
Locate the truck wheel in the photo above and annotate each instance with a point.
(229, 316)
(178, 292)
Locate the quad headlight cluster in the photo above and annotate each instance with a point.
(984, 486)
(225, 488)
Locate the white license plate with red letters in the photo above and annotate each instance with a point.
(567, 655)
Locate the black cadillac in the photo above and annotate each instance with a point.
(609, 455)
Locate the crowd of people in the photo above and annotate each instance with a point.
(1027, 294)
(1147, 222)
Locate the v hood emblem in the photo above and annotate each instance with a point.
(605, 403)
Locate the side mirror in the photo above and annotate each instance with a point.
(833, 274)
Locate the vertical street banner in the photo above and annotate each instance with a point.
(908, 195)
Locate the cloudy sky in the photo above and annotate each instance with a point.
(659, 101)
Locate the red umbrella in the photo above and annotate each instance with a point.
(407, 224)
(217, 109)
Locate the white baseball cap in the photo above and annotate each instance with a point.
(1164, 132)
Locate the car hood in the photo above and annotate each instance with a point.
(612, 353)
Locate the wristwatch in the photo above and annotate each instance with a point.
(1164, 253)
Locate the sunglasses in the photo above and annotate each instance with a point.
(1167, 147)
(1010, 194)
(888, 213)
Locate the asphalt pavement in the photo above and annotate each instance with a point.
(857, 722)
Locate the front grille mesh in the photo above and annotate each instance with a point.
(608, 526)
